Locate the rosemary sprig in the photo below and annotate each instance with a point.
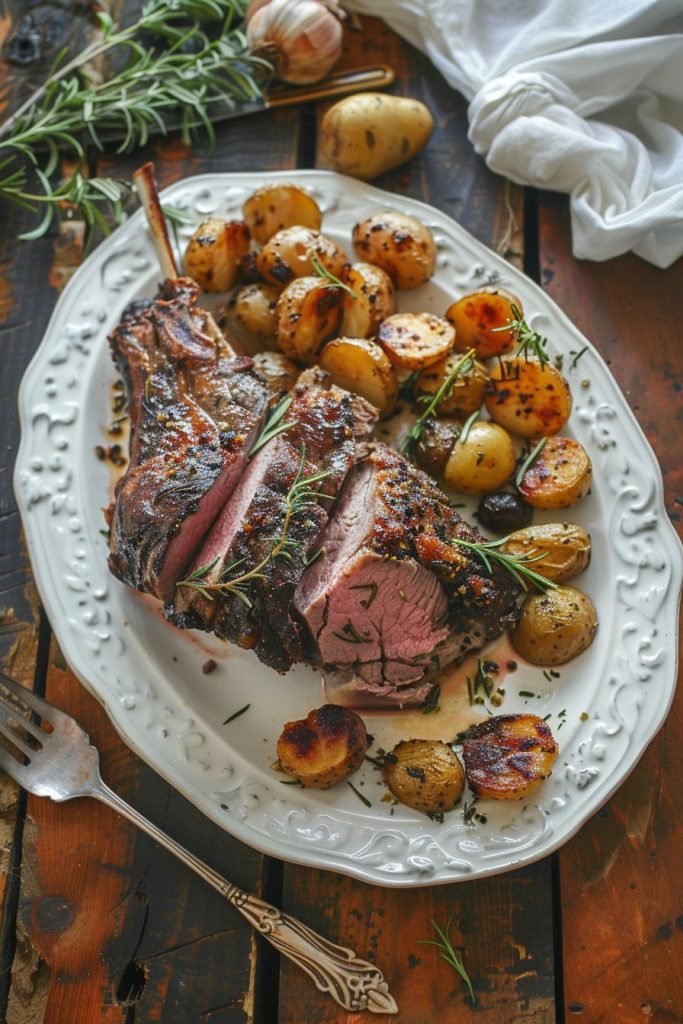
(463, 366)
(180, 72)
(331, 280)
(301, 494)
(528, 341)
(516, 565)
(445, 947)
(273, 425)
(529, 461)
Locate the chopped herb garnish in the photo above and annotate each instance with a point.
(516, 565)
(482, 681)
(237, 714)
(467, 426)
(526, 693)
(273, 425)
(351, 634)
(437, 816)
(576, 356)
(360, 796)
(366, 601)
(529, 461)
(330, 279)
(445, 947)
(463, 366)
(528, 341)
(290, 782)
(405, 388)
(431, 705)
(378, 762)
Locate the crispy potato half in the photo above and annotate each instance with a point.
(478, 319)
(481, 460)
(566, 549)
(467, 392)
(560, 474)
(323, 748)
(528, 397)
(415, 340)
(213, 254)
(274, 207)
(290, 253)
(508, 756)
(399, 244)
(362, 367)
(373, 300)
(424, 774)
(308, 313)
(555, 627)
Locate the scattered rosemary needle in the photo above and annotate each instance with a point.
(529, 342)
(463, 365)
(331, 280)
(237, 714)
(273, 425)
(447, 951)
(529, 461)
(516, 565)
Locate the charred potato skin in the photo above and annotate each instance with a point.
(435, 444)
(555, 627)
(414, 341)
(528, 397)
(374, 301)
(467, 392)
(308, 313)
(508, 756)
(398, 244)
(425, 775)
(362, 367)
(479, 319)
(566, 548)
(274, 207)
(213, 254)
(324, 748)
(288, 255)
(560, 475)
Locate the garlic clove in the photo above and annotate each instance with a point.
(301, 38)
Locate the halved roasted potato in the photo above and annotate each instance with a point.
(274, 207)
(528, 397)
(308, 313)
(508, 756)
(399, 244)
(361, 366)
(291, 252)
(373, 300)
(566, 549)
(478, 319)
(467, 392)
(323, 748)
(414, 341)
(555, 627)
(213, 254)
(560, 474)
(424, 774)
(255, 306)
(481, 460)
(280, 372)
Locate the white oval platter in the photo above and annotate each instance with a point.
(604, 708)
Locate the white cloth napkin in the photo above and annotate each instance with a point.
(577, 96)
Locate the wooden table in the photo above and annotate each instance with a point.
(99, 924)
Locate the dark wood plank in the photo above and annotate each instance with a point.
(622, 889)
(503, 925)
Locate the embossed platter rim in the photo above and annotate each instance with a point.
(149, 676)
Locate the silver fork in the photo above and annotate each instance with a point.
(62, 763)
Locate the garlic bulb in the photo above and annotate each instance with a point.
(301, 38)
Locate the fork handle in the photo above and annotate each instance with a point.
(353, 983)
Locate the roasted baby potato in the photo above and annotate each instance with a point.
(435, 444)
(483, 460)
(280, 373)
(528, 397)
(373, 300)
(323, 748)
(415, 340)
(467, 392)
(213, 254)
(424, 774)
(255, 308)
(398, 244)
(369, 133)
(274, 207)
(508, 756)
(560, 475)
(503, 511)
(290, 252)
(308, 313)
(362, 367)
(566, 549)
(478, 317)
(554, 627)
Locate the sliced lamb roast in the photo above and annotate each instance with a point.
(325, 424)
(391, 600)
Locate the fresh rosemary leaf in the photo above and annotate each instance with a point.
(576, 356)
(330, 279)
(237, 714)
(528, 341)
(467, 426)
(366, 601)
(463, 366)
(431, 705)
(273, 426)
(529, 461)
(447, 951)
(516, 565)
(360, 796)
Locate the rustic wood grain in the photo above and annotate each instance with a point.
(621, 881)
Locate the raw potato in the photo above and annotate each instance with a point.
(565, 546)
(375, 300)
(213, 254)
(477, 315)
(398, 244)
(435, 444)
(424, 774)
(508, 756)
(255, 308)
(274, 207)
(528, 397)
(369, 133)
(560, 474)
(554, 627)
(279, 371)
(288, 255)
(467, 392)
(484, 461)
(323, 748)
(360, 366)
(308, 313)
(414, 341)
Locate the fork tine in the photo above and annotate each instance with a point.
(42, 707)
(11, 766)
(15, 739)
(11, 712)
